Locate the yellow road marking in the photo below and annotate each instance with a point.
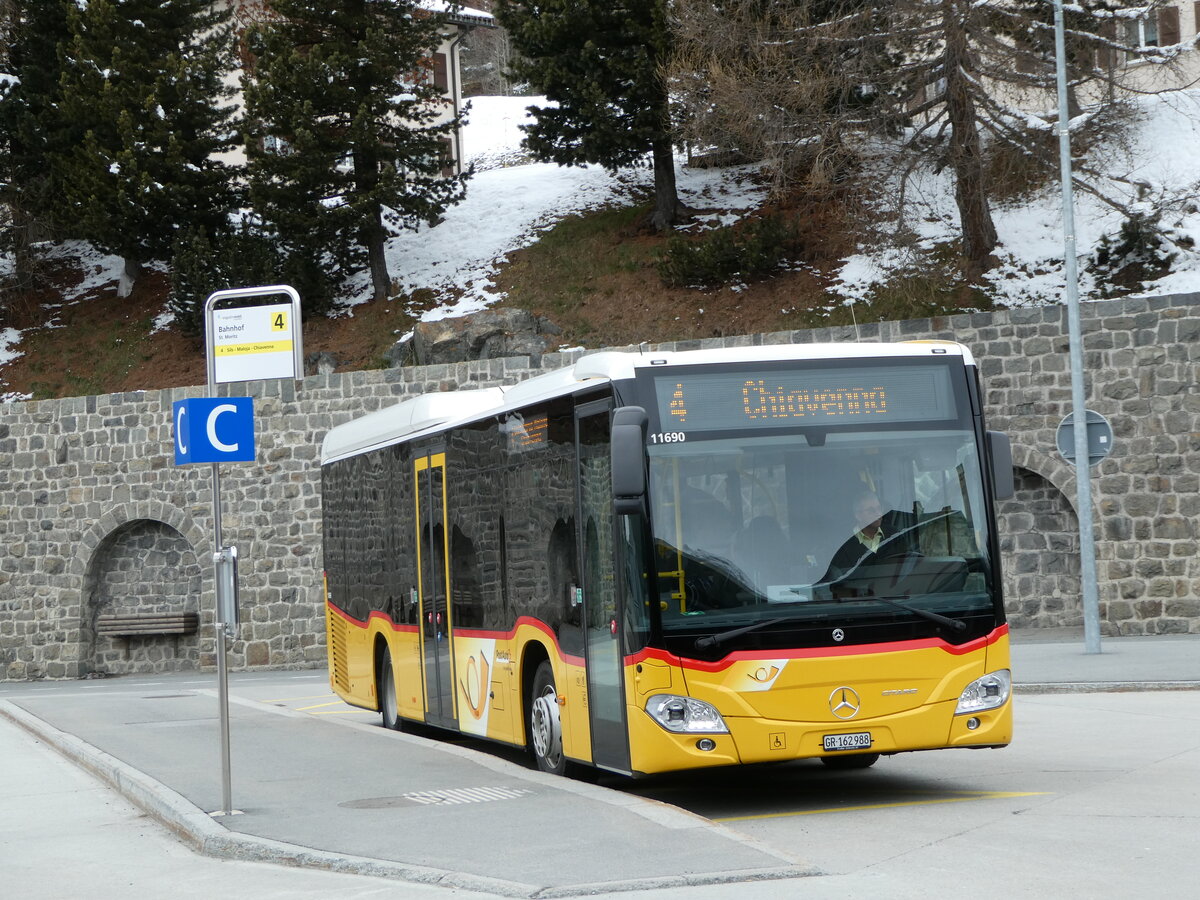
(968, 795)
(319, 705)
(294, 699)
(344, 712)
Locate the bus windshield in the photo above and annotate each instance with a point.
(760, 534)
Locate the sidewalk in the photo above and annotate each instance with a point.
(1054, 660)
(360, 799)
(353, 798)
(65, 834)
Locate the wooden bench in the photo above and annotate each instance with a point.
(136, 624)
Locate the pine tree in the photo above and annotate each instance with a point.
(145, 79)
(32, 127)
(347, 134)
(202, 262)
(971, 71)
(790, 82)
(602, 64)
(785, 82)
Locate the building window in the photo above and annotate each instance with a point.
(1159, 28)
(1142, 32)
(280, 146)
(441, 75)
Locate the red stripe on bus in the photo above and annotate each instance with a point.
(724, 663)
(375, 614)
(819, 652)
(342, 614)
(477, 633)
(488, 634)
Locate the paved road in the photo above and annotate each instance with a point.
(1097, 796)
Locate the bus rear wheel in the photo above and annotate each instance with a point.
(545, 725)
(387, 692)
(852, 761)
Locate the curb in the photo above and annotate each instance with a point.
(204, 835)
(662, 814)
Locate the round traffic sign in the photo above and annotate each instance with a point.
(1099, 437)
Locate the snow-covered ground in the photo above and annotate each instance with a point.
(1159, 167)
(508, 205)
(511, 200)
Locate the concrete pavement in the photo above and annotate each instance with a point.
(65, 834)
(361, 799)
(422, 813)
(1054, 661)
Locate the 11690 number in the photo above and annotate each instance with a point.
(668, 437)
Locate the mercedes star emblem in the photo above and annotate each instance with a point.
(844, 703)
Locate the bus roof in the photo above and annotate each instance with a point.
(431, 412)
(394, 423)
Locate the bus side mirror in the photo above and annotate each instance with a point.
(628, 442)
(1000, 451)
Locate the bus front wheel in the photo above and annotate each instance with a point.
(852, 761)
(545, 726)
(387, 692)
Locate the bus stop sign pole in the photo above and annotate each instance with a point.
(212, 430)
(250, 335)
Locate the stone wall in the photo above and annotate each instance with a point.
(95, 515)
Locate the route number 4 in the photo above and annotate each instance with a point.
(279, 321)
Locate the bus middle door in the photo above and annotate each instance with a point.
(433, 588)
(601, 607)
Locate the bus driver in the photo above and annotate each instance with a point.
(875, 531)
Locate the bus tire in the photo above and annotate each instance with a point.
(545, 724)
(387, 692)
(851, 761)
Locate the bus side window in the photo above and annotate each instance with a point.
(465, 588)
(636, 613)
(560, 559)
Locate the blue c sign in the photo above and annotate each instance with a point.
(213, 430)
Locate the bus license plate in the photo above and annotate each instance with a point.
(859, 740)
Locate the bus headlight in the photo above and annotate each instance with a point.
(988, 692)
(685, 715)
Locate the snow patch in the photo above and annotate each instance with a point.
(1160, 171)
(9, 338)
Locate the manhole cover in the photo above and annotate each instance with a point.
(449, 797)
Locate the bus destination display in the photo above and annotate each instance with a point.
(526, 434)
(817, 396)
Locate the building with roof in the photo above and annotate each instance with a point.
(443, 69)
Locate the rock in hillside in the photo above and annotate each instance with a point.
(489, 334)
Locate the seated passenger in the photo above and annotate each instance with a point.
(701, 545)
(763, 552)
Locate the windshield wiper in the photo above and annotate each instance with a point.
(722, 636)
(955, 624)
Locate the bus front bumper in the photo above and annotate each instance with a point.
(758, 740)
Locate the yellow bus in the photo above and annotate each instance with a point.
(647, 562)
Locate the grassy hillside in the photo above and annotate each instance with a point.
(595, 275)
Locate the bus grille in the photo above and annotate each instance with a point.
(337, 652)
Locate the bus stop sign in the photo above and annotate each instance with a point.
(1099, 438)
(213, 430)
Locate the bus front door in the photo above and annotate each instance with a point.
(601, 607)
(433, 589)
